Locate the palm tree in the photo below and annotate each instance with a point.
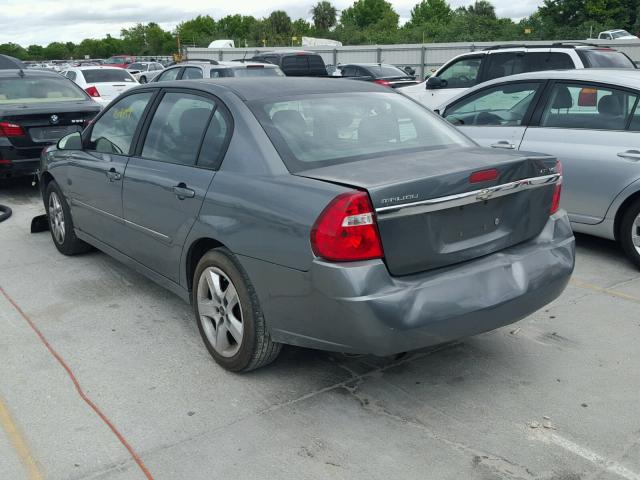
(324, 15)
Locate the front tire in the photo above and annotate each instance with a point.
(228, 313)
(61, 223)
(629, 234)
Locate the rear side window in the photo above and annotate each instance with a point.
(177, 128)
(504, 64)
(168, 75)
(588, 106)
(100, 75)
(113, 132)
(215, 141)
(257, 71)
(538, 61)
(192, 73)
(297, 63)
(71, 75)
(605, 58)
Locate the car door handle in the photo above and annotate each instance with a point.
(112, 175)
(633, 155)
(503, 144)
(183, 192)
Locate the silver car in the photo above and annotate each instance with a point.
(589, 119)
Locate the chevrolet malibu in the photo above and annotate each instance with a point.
(333, 215)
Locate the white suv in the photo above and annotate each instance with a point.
(469, 69)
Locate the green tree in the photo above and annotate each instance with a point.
(324, 15)
(14, 50)
(366, 13)
(279, 23)
(428, 11)
(198, 31)
(482, 8)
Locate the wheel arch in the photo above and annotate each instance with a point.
(195, 252)
(45, 179)
(621, 210)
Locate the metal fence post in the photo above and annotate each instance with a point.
(423, 60)
(378, 55)
(335, 56)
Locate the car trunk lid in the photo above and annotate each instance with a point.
(444, 206)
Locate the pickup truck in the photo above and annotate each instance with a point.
(615, 35)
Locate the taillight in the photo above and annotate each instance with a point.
(92, 91)
(555, 201)
(382, 82)
(8, 129)
(483, 176)
(346, 230)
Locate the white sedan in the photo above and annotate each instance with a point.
(144, 72)
(103, 84)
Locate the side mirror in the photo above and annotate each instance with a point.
(434, 83)
(73, 141)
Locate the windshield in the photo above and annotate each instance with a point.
(313, 131)
(117, 60)
(606, 58)
(100, 75)
(257, 72)
(385, 71)
(620, 33)
(39, 90)
(138, 66)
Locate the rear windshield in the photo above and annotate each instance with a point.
(137, 66)
(99, 75)
(385, 71)
(606, 58)
(257, 72)
(39, 90)
(302, 64)
(313, 131)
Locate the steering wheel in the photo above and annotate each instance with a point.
(464, 79)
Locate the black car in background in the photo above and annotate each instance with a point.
(37, 108)
(294, 63)
(380, 73)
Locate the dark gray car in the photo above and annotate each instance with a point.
(336, 215)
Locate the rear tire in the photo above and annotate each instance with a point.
(629, 234)
(228, 313)
(61, 223)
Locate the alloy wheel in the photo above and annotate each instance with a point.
(56, 218)
(635, 233)
(220, 311)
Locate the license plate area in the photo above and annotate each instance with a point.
(51, 134)
(466, 223)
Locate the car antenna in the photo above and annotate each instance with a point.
(244, 56)
(20, 73)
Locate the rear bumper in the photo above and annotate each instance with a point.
(360, 308)
(18, 166)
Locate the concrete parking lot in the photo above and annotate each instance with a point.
(555, 396)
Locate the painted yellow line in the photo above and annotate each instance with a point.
(18, 442)
(608, 291)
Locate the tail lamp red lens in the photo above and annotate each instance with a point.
(347, 230)
(92, 91)
(384, 83)
(484, 176)
(555, 201)
(8, 129)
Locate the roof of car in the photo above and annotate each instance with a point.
(273, 87)
(96, 67)
(623, 77)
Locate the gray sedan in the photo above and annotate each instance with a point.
(589, 119)
(336, 215)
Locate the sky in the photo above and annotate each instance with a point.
(40, 22)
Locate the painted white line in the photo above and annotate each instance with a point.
(593, 457)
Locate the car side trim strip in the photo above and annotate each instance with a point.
(467, 198)
(153, 233)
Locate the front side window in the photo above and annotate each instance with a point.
(192, 73)
(588, 106)
(502, 105)
(177, 128)
(461, 74)
(113, 132)
(319, 130)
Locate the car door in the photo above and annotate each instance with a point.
(97, 170)
(592, 129)
(456, 77)
(496, 116)
(165, 183)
